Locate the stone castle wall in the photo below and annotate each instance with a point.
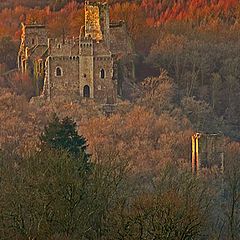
(58, 47)
(65, 86)
(103, 76)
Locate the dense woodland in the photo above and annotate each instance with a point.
(67, 171)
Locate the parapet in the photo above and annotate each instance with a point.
(57, 42)
(60, 47)
(86, 46)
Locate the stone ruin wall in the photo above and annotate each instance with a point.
(38, 34)
(120, 41)
(92, 22)
(211, 149)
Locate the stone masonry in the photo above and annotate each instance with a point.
(80, 68)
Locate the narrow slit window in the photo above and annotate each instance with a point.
(102, 73)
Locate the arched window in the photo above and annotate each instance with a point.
(59, 72)
(102, 74)
(86, 91)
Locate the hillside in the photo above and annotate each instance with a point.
(190, 39)
(69, 170)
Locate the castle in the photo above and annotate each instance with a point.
(92, 66)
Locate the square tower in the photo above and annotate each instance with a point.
(97, 24)
(92, 22)
(34, 34)
(34, 40)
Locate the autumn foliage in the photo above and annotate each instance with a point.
(140, 185)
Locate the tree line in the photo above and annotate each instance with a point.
(61, 191)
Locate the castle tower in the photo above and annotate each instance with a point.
(105, 22)
(33, 35)
(86, 66)
(95, 60)
(97, 24)
(92, 22)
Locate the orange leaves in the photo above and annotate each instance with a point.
(147, 141)
(137, 16)
(132, 14)
(22, 84)
(191, 10)
(137, 135)
(20, 123)
(70, 15)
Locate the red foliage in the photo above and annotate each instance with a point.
(163, 11)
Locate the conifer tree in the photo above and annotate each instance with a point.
(62, 135)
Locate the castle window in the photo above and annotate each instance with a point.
(84, 75)
(59, 46)
(33, 41)
(59, 72)
(102, 74)
(86, 91)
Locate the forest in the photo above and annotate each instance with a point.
(67, 171)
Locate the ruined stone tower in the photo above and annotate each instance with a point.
(32, 36)
(207, 151)
(33, 52)
(80, 68)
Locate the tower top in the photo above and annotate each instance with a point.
(93, 16)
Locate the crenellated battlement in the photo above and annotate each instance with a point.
(86, 46)
(64, 58)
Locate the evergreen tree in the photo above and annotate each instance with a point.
(62, 135)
